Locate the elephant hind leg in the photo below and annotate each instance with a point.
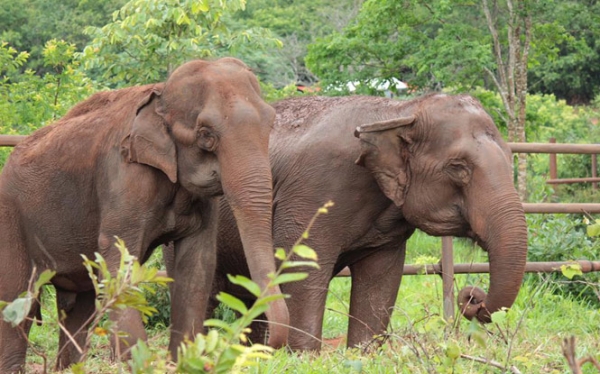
(76, 310)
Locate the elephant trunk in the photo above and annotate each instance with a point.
(498, 224)
(247, 185)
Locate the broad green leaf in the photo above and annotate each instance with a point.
(268, 299)
(212, 339)
(245, 282)
(305, 251)
(280, 254)
(292, 264)
(289, 277)
(571, 270)
(218, 324)
(593, 230)
(499, 316)
(232, 302)
(17, 311)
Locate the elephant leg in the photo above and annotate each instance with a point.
(76, 308)
(15, 271)
(130, 329)
(307, 308)
(193, 273)
(375, 283)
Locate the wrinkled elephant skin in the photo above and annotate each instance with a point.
(146, 164)
(433, 163)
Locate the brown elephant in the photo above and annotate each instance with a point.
(437, 163)
(146, 164)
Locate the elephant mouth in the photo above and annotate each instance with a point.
(207, 187)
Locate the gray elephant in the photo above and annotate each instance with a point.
(146, 164)
(437, 163)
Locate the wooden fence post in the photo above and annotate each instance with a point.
(448, 277)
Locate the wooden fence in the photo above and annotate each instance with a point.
(446, 267)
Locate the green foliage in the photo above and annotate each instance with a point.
(29, 24)
(17, 310)
(427, 44)
(29, 101)
(430, 44)
(297, 23)
(572, 70)
(149, 38)
(126, 288)
(554, 238)
(222, 350)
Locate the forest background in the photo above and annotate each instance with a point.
(55, 53)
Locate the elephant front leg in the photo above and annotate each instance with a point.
(15, 271)
(375, 283)
(192, 272)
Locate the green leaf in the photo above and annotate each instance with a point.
(265, 300)
(44, 278)
(476, 333)
(245, 282)
(292, 264)
(305, 251)
(280, 254)
(499, 316)
(571, 270)
(453, 350)
(17, 311)
(593, 230)
(232, 302)
(218, 324)
(289, 277)
(212, 338)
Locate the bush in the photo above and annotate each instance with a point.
(560, 238)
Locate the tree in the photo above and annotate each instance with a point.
(28, 101)
(457, 44)
(28, 24)
(297, 23)
(573, 71)
(149, 38)
(510, 76)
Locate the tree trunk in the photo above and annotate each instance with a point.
(511, 75)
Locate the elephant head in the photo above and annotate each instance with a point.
(444, 163)
(207, 128)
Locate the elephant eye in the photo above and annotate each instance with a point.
(207, 140)
(459, 171)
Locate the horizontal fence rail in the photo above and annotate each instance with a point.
(10, 140)
(554, 148)
(484, 267)
(446, 267)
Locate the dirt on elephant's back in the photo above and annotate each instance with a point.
(297, 112)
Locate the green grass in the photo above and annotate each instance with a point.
(529, 338)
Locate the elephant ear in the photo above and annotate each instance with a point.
(149, 142)
(382, 151)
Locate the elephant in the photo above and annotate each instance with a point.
(146, 164)
(435, 163)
